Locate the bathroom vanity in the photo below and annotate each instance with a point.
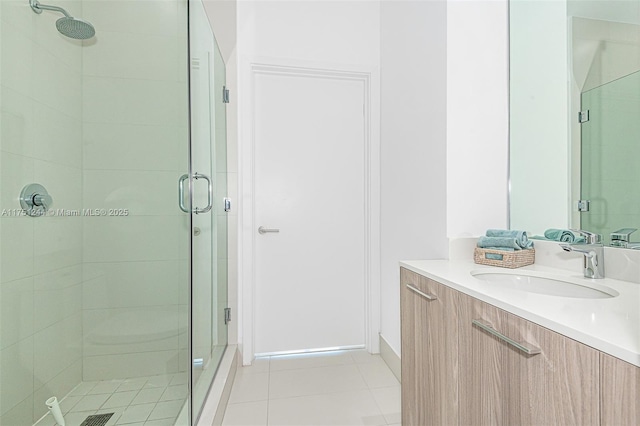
(478, 353)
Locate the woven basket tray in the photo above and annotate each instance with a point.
(510, 259)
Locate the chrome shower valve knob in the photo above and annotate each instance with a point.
(35, 200)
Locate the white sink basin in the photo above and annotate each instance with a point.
(544, 283)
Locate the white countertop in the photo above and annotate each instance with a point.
(611, 325)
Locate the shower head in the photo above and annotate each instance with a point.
(68, 26)
(75, 28)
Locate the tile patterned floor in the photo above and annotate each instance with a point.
(338, 388)
(148, 401)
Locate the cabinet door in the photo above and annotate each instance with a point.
(429, 352)
(502, 385)
(620, 391)
(411, 339)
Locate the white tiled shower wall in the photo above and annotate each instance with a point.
(41, 269)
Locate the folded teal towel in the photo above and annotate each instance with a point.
(562, 235)
(499, 243)
(520, 236)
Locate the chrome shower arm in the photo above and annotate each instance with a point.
(38, 8)
(68, 25)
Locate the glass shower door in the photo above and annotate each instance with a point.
(94, 295)
(220, 116)
(209, 233)
(610, 151)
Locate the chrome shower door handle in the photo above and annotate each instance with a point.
(209, 206)
(181, 193)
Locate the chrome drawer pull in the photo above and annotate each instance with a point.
(425, 295)
(524, 347)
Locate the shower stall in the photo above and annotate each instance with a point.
(609, 148)
(113, 224)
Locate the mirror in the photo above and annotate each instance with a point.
(574, 116)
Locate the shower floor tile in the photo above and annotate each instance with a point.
(147, 401)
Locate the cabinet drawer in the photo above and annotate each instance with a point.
(429, 352)
(523, 373)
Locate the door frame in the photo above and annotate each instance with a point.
(250, 67)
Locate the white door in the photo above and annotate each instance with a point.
(310, 185)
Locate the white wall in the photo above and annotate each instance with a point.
(413, 71)
(444, 132)
(223, 16)
(477, 116)
(338, 32)
(41, 275)
(618, 11)
(539, 116)
(602, 51)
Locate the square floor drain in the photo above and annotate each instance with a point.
(97, 420)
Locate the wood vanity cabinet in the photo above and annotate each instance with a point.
(429, 351)
(620, 392)
(500, 384)
(457, 372)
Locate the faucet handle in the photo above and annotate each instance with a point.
(621, 237)
(622, 234)
(590, 237)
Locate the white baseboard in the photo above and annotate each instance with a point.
(218, 397)
(390, 357)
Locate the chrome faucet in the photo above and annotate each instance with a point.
(621, 237)
(593, 251)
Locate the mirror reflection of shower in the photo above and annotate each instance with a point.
(67, 25)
